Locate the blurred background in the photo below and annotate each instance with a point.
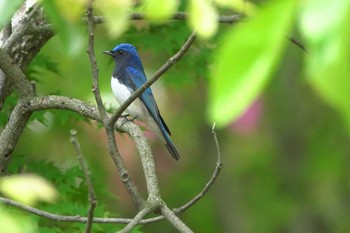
(285, 160)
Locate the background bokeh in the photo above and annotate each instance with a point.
(285, 160)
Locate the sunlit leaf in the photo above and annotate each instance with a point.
(203, 18)
(241, 6)
(157, 10)
(67, 23)
(116, 14)
(28, 188)
(246, 60)
(14, 223)
(7, 9)
(71, 10)
(325, 25)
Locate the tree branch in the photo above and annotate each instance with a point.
(19, 116)
(137, 219)
(174, 220)
(14, 73)
(211, 181)
(112, 146)
(82, 108)
(230, 19)
(24, 43)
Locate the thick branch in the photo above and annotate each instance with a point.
(12, 132)
(82, 108)
(15, 74)
(147, 161)
(23, 45)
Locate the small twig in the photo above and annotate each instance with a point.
(174, 220)
(86, 172)
(212, 180)
(177, 16)
(93, 62)
(136, 220)
(298, 43)
(154, 78)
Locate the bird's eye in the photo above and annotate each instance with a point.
(121, 52)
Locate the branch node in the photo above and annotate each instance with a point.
(125, 177)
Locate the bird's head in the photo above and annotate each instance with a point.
(124, 54)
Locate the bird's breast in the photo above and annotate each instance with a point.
(122, 93)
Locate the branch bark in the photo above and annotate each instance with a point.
(136, 197)
(91, 112)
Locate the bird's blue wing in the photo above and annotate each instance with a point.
(137, 79)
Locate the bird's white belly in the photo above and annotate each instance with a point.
(136, 109)
(122, 93)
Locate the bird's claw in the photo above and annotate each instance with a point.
(126, 119)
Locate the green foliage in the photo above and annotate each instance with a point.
(73, 195)
(246, 59)
(42, 63)
(325, 28)
(13, 222)
(66, 19)
(8, 106)
(158, 10)
(7, 9)
(203, 18)
(287, 173)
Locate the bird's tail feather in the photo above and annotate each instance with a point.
(172, 149)
(170, 145)
(166, 134)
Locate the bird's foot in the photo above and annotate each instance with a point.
(127, 119)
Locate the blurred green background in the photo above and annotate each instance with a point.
(286, 159)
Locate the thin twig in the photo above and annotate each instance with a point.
(136, 220)
(298, 43)
(93, 62)
(230, 19)
(212, 180)
(86, 172)
(178, 210)
(112, 145)
(174, 220)
(154, 78)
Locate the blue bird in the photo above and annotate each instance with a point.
(127, 77)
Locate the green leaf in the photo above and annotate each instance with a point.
(66, 23)
(7, 9)
(325, 25)
(12, 222)
(28, 188)
(116, 14)
(158, 10)
(246, 60)
(203, 18)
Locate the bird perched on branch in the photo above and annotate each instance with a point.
(127, 77)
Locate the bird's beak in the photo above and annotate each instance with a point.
(109, 53)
